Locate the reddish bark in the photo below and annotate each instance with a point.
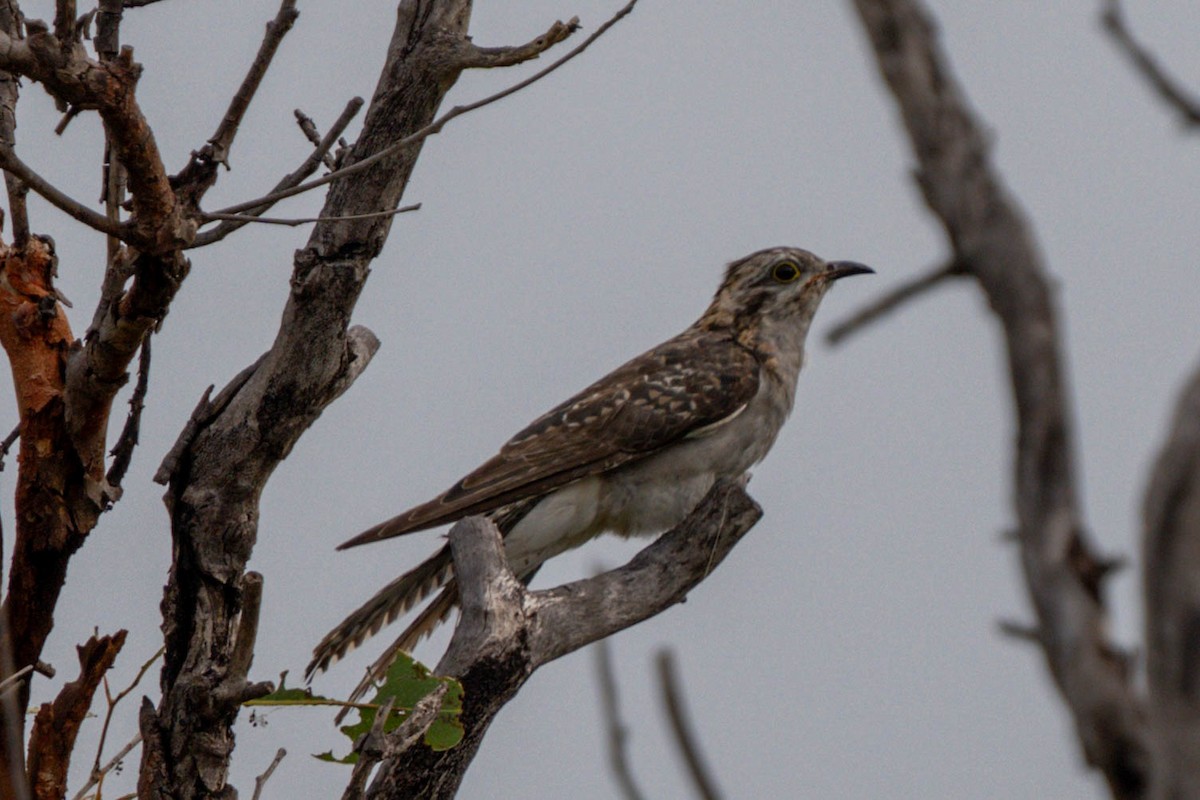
(57, 723)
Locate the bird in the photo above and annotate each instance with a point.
(631, 454)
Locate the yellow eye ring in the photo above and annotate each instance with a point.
(785, 272)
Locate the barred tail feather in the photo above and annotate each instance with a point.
(388, 603)
(430, 617)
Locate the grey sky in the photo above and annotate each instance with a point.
(848, 647)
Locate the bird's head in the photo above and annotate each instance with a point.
(781, 285)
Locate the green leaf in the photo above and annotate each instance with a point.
(407, 681)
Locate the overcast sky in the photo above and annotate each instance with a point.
(848, 648)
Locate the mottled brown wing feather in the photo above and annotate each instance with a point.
(686, 383)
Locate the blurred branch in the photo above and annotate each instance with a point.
(1170, 557)
(685, 739)
(893, 300)
(617, 733)
(991, 239)
(1171, 91)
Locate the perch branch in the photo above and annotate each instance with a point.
(98, 773)
(261, 781)
(506, 632)
(55, 197)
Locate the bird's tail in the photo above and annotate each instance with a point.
(388, 603)
(430, 617)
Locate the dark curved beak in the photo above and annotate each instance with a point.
(841, 269)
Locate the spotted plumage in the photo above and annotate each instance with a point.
(632, 453)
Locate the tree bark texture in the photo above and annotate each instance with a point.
(243, 434)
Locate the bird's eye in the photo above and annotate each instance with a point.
(785, 272)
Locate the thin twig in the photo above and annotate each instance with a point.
(309, 129)
(122, 451)
(370, 753)
(618, 734)
(55, 197)
(15, 677)
(430, 129)
(308, 167)
(261, 780)
(200, 172)
(893, 300)
(112, 705)
(293, 222)
(684, 738)
(1170, 90)
(7, 444)
(98, 773)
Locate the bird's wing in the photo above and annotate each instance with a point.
(682, 386)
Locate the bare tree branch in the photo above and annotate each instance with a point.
(685, 738)
(261, 781)
(99, 772)
(10, 163)
(298, 221)
(1171, 91)
(52, 739)
(310, 165)
(436, 126)
(991, 239)
(506, 631)
(122, 452)
(7, 444)
(201, 171)
(309, 129)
